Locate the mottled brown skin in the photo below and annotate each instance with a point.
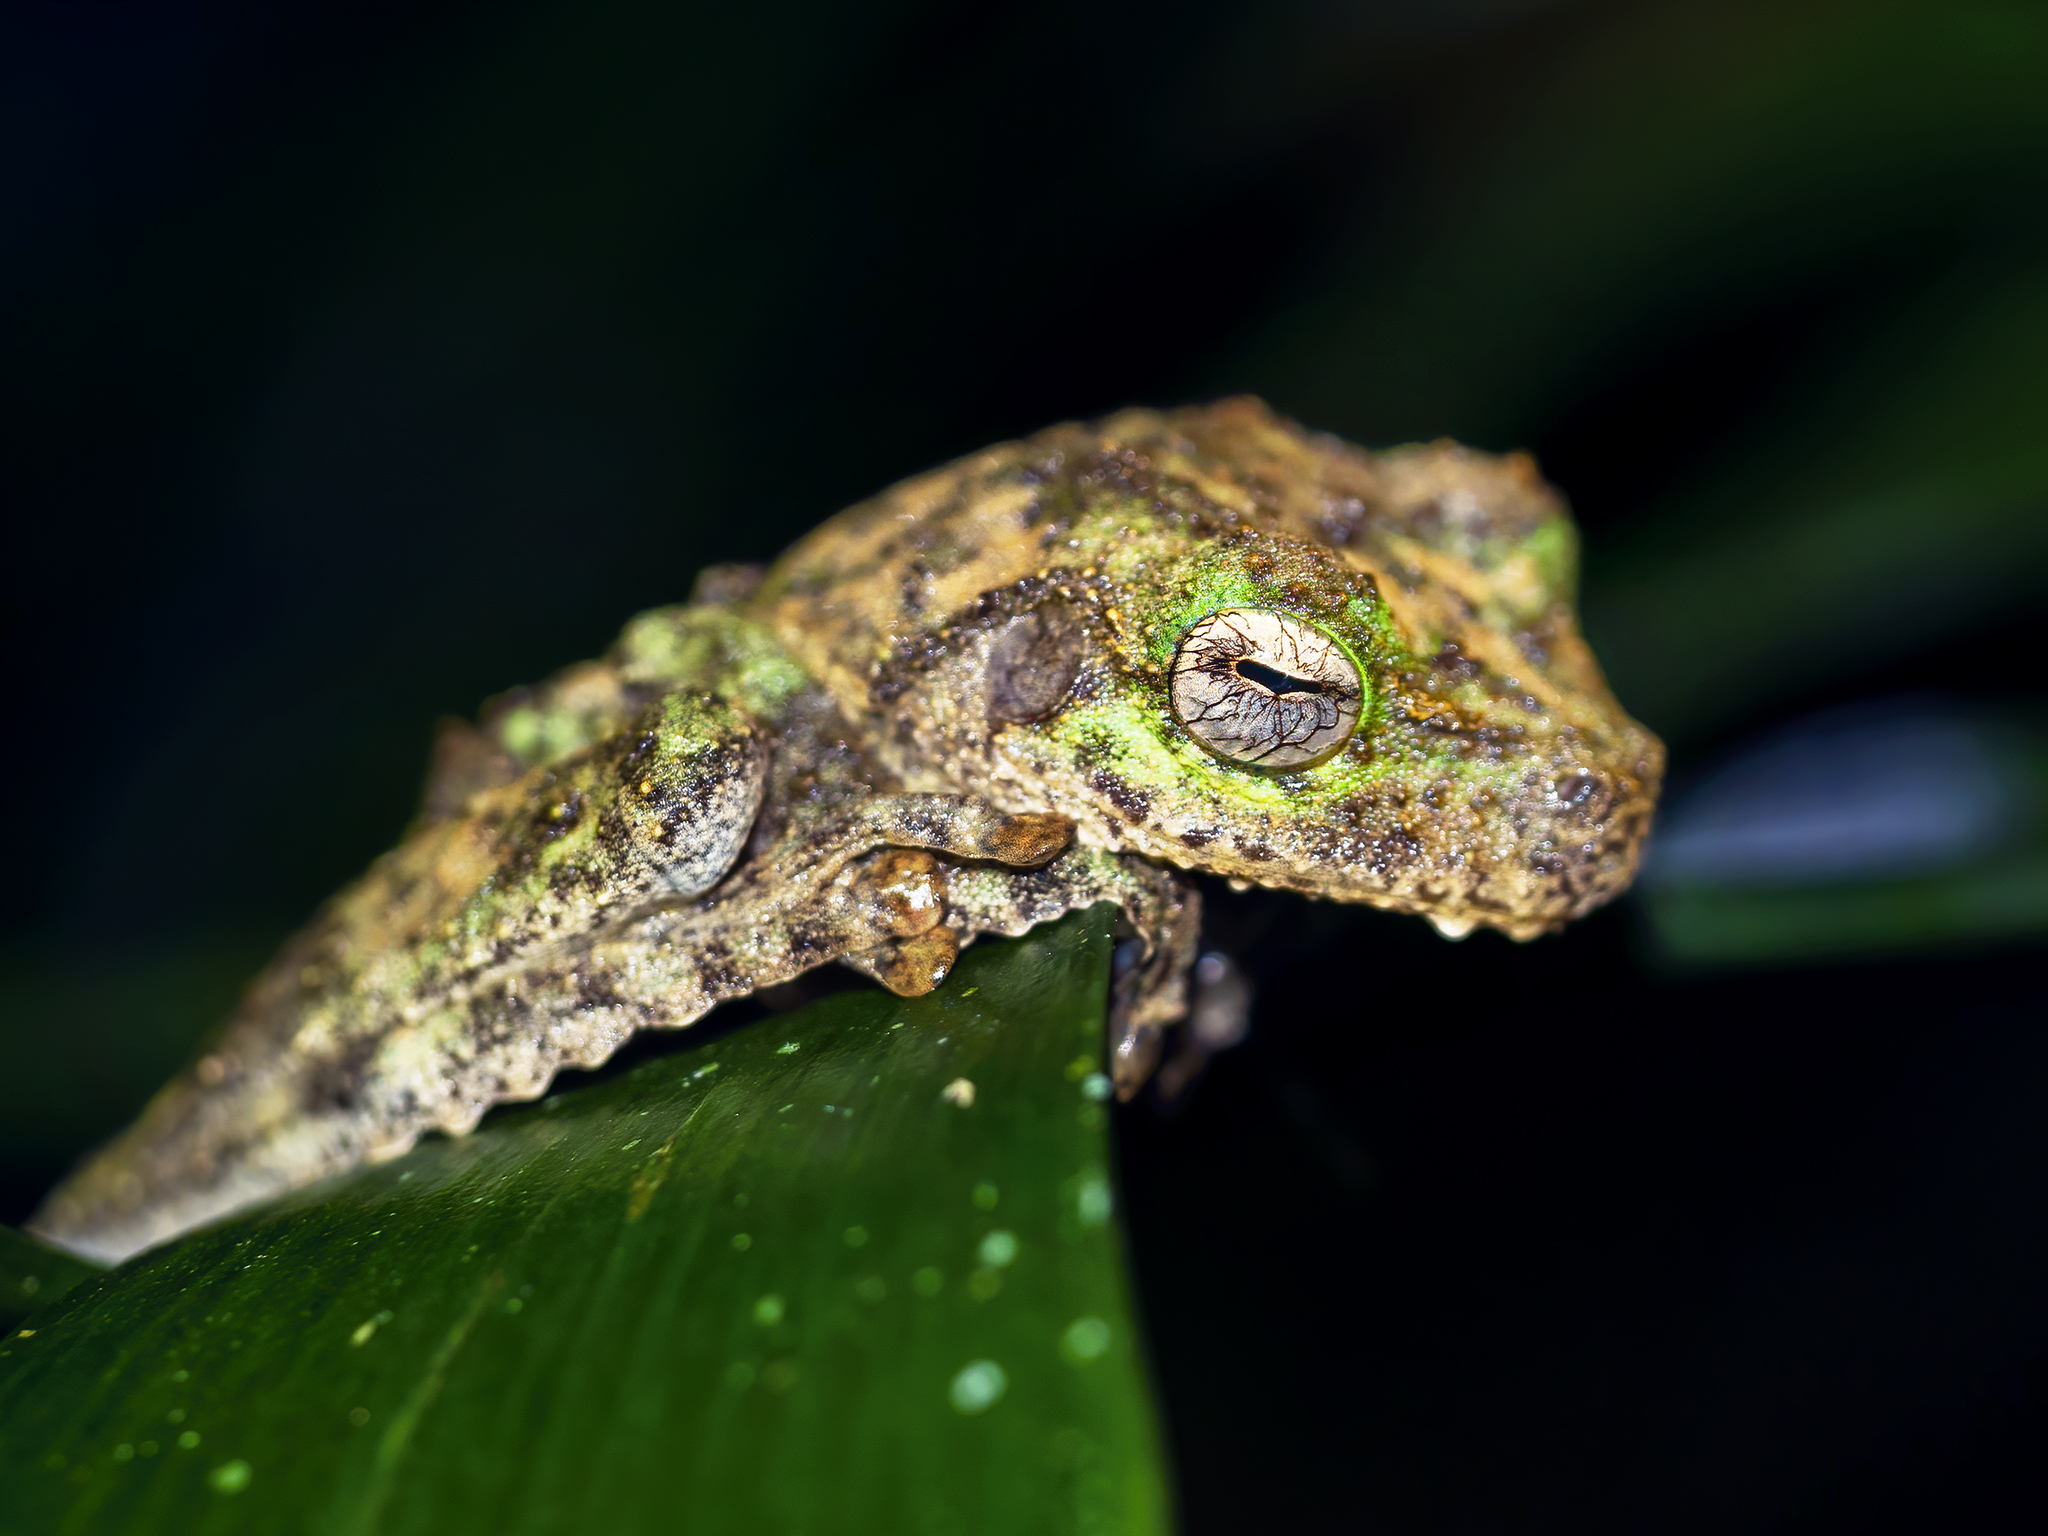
(942, 714)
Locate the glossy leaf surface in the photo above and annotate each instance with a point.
(804, 1277)
(33, 1276)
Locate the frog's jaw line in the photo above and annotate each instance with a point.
(1521, 908)
(1436, 838)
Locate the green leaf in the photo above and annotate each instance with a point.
(1996, 901)
(789, 1280)
(32, 1276)
(1987, 887)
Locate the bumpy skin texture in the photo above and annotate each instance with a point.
(945, 713)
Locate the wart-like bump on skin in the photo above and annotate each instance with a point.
(1033, 664)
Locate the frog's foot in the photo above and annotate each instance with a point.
(902, 892)
(910, 967)
(869, 887)
(1219, 1018)
(1159, 924)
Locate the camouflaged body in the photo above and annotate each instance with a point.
(943, 714)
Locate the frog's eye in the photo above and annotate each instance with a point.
(1263, 688)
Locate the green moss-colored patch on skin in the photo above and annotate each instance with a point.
(714, 649)
(1157, 756)
(1178, 593)
(538, 734)
(1554, 550)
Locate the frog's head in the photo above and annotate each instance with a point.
(1237, 647)
(1388, 710)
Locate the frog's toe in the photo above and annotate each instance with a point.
(1027, 840)
(911, 967)
(904, 892)
(1133, 1058)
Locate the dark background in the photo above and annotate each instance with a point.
(359, 361)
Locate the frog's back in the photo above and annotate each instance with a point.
(1470, 550)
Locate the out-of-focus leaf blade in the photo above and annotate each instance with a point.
(1908, 492)
(1888, 827)
(790, 1280)
(1742, 926)
(1665, 164)
(32, 1276)
(1670, 172)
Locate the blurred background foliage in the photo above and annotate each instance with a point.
(362, 361)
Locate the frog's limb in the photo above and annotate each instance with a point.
(354, 1040)
(910, 967)
(1161, 910)
(1219, 1018)
(332, 1063)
